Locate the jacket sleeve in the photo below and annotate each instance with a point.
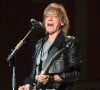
(72, 71)
(31, 79)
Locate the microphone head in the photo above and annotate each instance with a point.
(35, 22)
(32, 20)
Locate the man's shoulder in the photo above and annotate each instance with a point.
(69, 38)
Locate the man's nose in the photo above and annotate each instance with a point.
(50, 18)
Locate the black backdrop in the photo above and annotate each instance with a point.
(15, 18)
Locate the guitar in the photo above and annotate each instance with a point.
(47, 67)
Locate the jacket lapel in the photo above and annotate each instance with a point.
(57, 45)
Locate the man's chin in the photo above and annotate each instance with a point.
(51, 33)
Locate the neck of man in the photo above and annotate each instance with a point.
(53, 36)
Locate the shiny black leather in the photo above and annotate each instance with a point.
(67, 65)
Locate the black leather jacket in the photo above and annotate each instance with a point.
(67, 65)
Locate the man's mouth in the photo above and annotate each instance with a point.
(50, 24)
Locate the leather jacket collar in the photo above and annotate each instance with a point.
(59, 41)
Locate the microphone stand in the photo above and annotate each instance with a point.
(11, 57)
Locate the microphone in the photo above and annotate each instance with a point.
(36, 23)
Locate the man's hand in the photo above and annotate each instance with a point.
(42, 78)
(57, 78)
(45, 78)
(24, 87)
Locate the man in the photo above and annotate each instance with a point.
(65, 69)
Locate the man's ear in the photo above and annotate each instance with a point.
(61, 23)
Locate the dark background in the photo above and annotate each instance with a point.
(15, 18)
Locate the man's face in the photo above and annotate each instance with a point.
(52, 22)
